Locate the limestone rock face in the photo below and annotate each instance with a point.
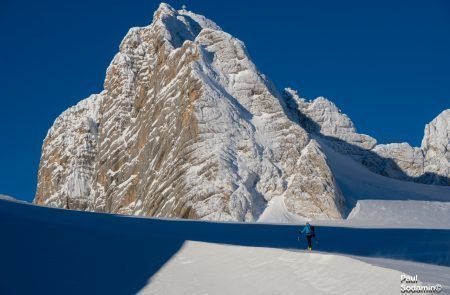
(436, 147)
(186, 127)
(68, 156)
(405, 160)
(428, 164)
(323, 116)
(315, 184)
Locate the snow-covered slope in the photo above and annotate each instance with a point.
(7, 198)
(415, 214)
(201, 268)
(11, 199)
(277, 212)
(396, 214)
(73, 252)
(358, 183)
(372, 213)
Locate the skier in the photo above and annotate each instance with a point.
(309, 231)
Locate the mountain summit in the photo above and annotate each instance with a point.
(187, 126)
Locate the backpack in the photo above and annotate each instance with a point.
(313, 232)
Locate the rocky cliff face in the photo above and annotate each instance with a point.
(321, 116)
(436, 149)
(186, 127)
(66, 169)
(426, 164)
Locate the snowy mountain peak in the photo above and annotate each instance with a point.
(187, 126)
(178, 26)
(204, 22)
(163, 9)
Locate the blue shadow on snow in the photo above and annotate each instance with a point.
(52, 251)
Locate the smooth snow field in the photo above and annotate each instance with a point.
(397, 214)
(54, 251)
(373, 214)
(202, 268)
(359, 183)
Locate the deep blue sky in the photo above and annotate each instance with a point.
(384, 63)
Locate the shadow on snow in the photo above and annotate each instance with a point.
(53, 251)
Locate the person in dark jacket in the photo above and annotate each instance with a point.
(308, 230)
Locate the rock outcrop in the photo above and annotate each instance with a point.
(436, 148)
(428, 164)
(66, 170)
(321, 116)
(400, 160)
